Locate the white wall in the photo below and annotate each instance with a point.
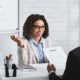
(8, 15)
(62, 17)
(7, 46)
(8, 26)
(73, 23)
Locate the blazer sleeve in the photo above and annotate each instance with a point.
(53, 76)
(23, 54)
(72, 67)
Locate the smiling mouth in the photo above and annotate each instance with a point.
(39, 33)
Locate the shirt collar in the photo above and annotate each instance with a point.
(33, 41)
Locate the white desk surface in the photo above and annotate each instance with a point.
(40, 74)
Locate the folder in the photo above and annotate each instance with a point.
(56, 56)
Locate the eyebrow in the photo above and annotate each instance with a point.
(38, 25)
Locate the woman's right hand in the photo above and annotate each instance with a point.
(17, 40)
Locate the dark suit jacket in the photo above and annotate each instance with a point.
(72, 70)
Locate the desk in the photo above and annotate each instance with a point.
(40, 74)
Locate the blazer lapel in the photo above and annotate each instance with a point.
(34, 50)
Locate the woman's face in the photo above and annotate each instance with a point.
(38, 29)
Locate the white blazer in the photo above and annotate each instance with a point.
(27, 55)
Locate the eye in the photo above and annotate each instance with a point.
(38, 27)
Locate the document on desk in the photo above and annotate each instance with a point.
(56, 56)
(27, 67)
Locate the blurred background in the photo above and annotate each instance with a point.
(63, 17)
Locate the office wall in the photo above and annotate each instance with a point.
(8, 26)
(73, 24)
(7, 46)
(62, 16)
(8, 15)
(63, 19)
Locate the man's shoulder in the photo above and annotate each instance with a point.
(76, 50)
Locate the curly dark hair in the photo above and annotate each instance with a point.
(28, 25)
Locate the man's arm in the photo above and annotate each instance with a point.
(53, 76)
(51, 69)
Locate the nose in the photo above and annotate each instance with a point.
(40, 27)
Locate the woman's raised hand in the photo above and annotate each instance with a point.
(17, 40)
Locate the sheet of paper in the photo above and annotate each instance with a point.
(56, 56)
(27, 67)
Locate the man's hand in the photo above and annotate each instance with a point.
(51, 67)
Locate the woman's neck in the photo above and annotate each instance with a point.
(37, 40)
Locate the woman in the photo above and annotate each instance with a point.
(35, 38)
